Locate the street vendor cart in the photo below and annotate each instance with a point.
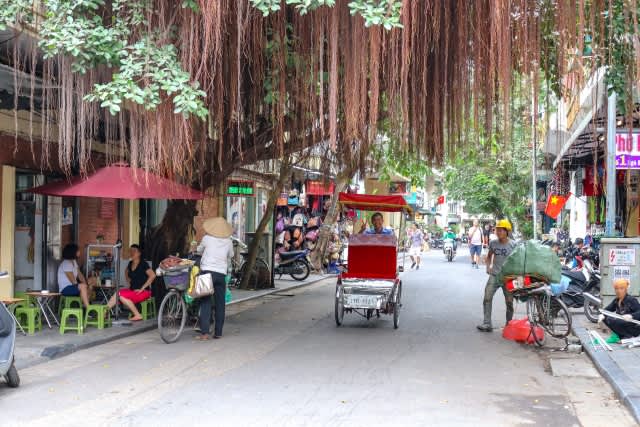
(371, 285)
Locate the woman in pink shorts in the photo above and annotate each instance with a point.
(140, 277)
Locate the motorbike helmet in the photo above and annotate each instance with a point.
(504, 223)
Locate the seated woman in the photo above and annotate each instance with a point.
(628, 307)
(71, 281)
(140, 277)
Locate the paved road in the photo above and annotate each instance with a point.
(283, 362)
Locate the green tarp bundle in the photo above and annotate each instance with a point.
(532, 259)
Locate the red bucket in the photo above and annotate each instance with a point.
(519, 330)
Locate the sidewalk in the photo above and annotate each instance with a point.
(621, 367)
(49, 344)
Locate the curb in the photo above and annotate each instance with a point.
(623, 386)
(55, 352)
(276, 290)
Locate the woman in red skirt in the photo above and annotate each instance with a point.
(140, 277)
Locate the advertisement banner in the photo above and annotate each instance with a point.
(627, 150)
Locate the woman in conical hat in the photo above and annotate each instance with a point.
(216, 249)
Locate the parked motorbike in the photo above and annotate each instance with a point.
(448, 250)
(7, 343)
(293, 263)
(436, 243)
(582, 281)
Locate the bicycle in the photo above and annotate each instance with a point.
(546, 311)
(258, 274)
(174, 312)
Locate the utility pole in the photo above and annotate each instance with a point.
(534, 193)
(610, 223)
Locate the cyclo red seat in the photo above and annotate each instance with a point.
(372, 256)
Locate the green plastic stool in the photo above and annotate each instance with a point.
(30, 318)
(148, 309)
(71, 312)
(68, 302)
(100, 321)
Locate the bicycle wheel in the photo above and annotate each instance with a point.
(535, 321)
(259, 277)
(560, 318)
(172, 317)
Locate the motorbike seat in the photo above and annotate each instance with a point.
(576, 275)
(292, 254)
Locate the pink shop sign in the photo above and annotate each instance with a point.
(628, 150)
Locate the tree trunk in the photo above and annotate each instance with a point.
(285, 172)
(172, 236)
(317, 256)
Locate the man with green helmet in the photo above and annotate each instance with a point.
(499, 250)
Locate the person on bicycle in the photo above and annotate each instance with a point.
(499, 250)
(216, 249)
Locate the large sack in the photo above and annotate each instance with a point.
(533, 259)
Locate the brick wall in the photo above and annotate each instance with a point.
(91, 223)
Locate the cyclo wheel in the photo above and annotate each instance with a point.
(13, 379)
(559, 318)
(172, 317)
(396, 307)
(533, 314)
(339, 306)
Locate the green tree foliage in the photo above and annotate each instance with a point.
(374, 12)
(145, 64)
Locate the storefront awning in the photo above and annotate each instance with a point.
(120, 181)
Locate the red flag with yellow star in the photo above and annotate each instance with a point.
(555, 203)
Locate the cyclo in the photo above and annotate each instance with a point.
(371, 285)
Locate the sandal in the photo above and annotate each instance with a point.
(136, 319)
(203, 337)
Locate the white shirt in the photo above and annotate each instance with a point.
(215, 254)
(475, 234)
(66, 266)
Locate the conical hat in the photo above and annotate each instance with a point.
(217, 227)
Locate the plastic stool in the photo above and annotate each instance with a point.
(32, 318)
(101, 320)
(68, 302)
(71, 312)
(148, 309)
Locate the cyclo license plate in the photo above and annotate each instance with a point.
(362, 301)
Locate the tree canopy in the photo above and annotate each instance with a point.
(194, 87)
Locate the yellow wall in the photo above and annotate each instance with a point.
(7, 226)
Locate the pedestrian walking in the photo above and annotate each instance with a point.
(475, 243)
(216, 249)
(416, 246)
(499, 250)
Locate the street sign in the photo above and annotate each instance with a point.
(240, 188)
(628, 150)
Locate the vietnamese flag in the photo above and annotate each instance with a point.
(441, 200)
(555, 203)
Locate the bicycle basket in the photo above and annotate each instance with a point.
(177, 279)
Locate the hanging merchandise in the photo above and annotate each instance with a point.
(591, 203)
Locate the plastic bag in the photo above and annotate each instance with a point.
(533, 259)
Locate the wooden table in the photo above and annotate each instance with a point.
(44, 300)
(9, 302)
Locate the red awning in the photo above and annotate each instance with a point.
(369, 202)
(319, 188)
(120, 182)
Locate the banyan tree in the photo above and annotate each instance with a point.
(192, 89)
